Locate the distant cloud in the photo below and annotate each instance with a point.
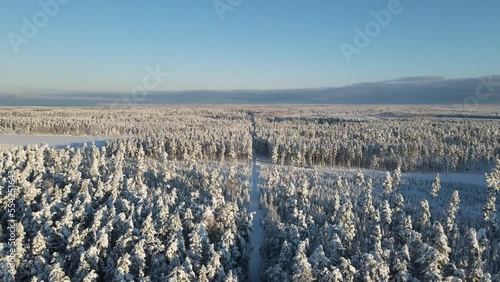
(416, 79)
(406, 90)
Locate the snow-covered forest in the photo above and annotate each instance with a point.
(172, 195)
(414, 144)
(324, 226)
(117, 214)
(212, 134)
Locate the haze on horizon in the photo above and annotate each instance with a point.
(112, 47)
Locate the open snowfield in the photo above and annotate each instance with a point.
(450, 177)
(52, 140)
(474, 178)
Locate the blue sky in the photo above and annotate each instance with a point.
(106, 45)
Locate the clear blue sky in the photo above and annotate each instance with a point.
(105, 45)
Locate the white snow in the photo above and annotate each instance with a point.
(58, 141)
(453, 177)
(257, 234)
(475, 178)
(450, 177)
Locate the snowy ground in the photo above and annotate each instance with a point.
(257, 235)
(475, 178)
(52, 140)
(451, 177)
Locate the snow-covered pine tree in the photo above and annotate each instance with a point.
(302, 269)
(401, 264)
(436, 186)
(493, 187)
(388, 186)
(424, 222)
(360, 178)
(373, 269)
(385, 216)
(319, 262)
(396, 175)
(38, 246)
(347, 222)
(451, 213)
(469, 256)
(347, 270)
(431, 259)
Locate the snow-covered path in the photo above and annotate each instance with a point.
(257, 235)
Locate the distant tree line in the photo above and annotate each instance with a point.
(412, 144)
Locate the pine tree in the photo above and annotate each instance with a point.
(439, 240)
(385, 216)
(493, 187)
(470, 256)
(122, 272)
(396, 175)
(319, 262)
(373, 269)
(203, 274)
(400, 265)
(347, 222)
(347, 270)
(57, 274)
(197, 239)
(335, 247)
(301, 269)
(360, 178)
(179, 274)
(433, 258)
(138, 258)
(425, 216)
(91, 276)
(436, 186)
(486, 278)
(330, 275)
(400, 221)
(451, 213)
(274, 155)
(38, 246)
(388, 185)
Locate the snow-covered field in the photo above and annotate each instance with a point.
(454, 177)
(52, 140)
(474, 178)
(450, 177)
